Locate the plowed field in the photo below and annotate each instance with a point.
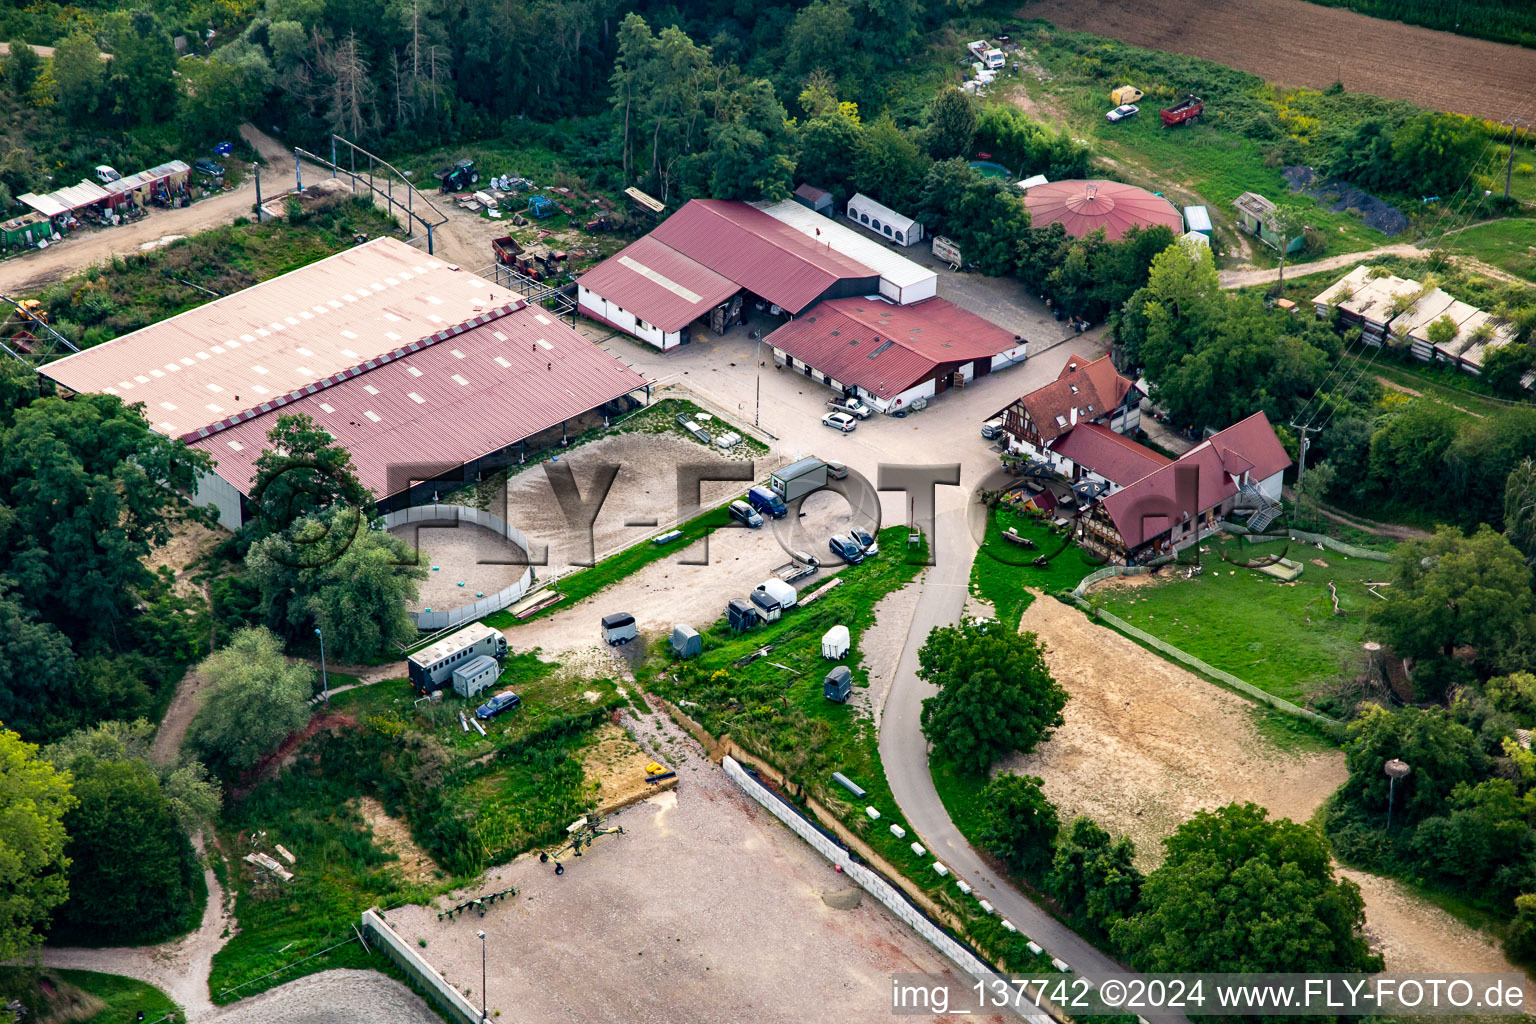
(1300, 44)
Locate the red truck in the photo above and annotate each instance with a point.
(1191, 108)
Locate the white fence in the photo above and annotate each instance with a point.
(431, 621)
(425, 976)
(876, 886)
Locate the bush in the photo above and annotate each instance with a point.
(1019, 824)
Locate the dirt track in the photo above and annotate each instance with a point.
(1301, 44)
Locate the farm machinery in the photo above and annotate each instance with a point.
(457, 178)
(538, 261)
(580, 834)
(1181, 113)
(541, 207)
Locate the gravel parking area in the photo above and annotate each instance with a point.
(706, 909)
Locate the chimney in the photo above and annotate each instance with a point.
(1071, 367)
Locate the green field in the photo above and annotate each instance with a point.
(1004, 573)
(1283, 638)
(1509, 245)
(84, 997)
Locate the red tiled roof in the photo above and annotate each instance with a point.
(658, 284)
(1085, 206)
(246, 349)
(1099, 391)
(476, 391)
(1116, 458)
(1247, 446)
(840, 337)
(761, 254)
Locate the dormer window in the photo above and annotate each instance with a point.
(1073, 387)
(1061, 421)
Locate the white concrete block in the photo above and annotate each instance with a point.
(1034, 947)
(941, 869)
(872, 812)
(1059, 965)
(898, 832)
(962, 886)
(917, 848)
(987, 907)
(1008, 925)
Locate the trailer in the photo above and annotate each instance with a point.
(798, 479)
(798, 568)
(1192, 107)
(947, 250)
(507, 250)
(432, 667)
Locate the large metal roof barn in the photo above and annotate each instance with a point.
(403, 359)
(900, 278)
(680, 270)
(889, 354)
(1084, 206)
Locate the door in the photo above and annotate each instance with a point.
(982, 366)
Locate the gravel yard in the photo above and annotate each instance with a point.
(706, 909)
(462, 561)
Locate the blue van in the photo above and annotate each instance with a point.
(764, 500)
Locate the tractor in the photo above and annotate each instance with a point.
(457, 178)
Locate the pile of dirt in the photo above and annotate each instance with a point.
(1339, 195)
(617, 764)
(394, 836)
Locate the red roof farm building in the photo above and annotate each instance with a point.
(699, 260)
(417, 368)
(888, 355)
(1082, 207)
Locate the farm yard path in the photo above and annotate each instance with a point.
(1147, 743)
(1449, 72)
(1244, 276)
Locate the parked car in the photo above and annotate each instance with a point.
(836, 470)
(852, 406)
(745, 514)
(846, 548)
(107, 175)
(765, 501)
(866, 540)
(1123, 112)
(992, 429)
(496, 705)
(841, 421)
(208, 167)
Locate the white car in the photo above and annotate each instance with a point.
(107, 175)
(1120, 113)
(840, 420)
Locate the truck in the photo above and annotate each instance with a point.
(994, 60)
(1192, 107)
(977, 48)
(798, 479)
(797, 568)
(947, 251)
(852, 406)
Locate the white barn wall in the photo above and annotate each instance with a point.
(624, 320)
(214, 491)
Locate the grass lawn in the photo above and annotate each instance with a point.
(84, 997)
(1509, 245)
(1282, 638)
(1004, 572)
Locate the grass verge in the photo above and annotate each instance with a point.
(84, 997)
(1005, 573)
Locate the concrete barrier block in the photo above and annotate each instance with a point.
(962, 886)
(1059, 964)
(872, 812)
(1009, 925)
(987, 907)
(943, 871)
(917, 848)
(898, 832)
(1034, 947)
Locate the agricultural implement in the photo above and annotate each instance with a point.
(1192, 107)
(580, 834)
(541, 207)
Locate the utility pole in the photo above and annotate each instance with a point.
(256, 171)
(325, 684)
(1514, 136)
(758, 369)
(484, 1016)
(1301, 461)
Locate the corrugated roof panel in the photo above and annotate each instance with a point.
(658, 284)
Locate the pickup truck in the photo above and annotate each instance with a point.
(801, 566)
(852, 406)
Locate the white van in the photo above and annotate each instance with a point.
(781, 593)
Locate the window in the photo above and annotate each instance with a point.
(902, 238)
(887, 230)
(875, 224)
(863, 218)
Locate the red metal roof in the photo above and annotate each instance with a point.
(1247, 446)
(659, 284)
(761, 254)
(840, 337)
(245, 350)
(1094, 389)
(483, 386)
(1113, 456)
(1085, 206)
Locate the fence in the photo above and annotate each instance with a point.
(428, 621)
(457, 1008)
(875, 885)
(1107, 572)
(1326, 541)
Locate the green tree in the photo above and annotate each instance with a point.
(751, 148)
(1441, 753)
(1520, 508)
(254, 699)
(1018, 823)
(37, 663)
(952, 124)
(1238, 892)
(141, 74)
(342, 576)
(193, 796)
(1436, 152)
(86, 491)
(301, 471)
(21, 67)
(888, 166)
(79, 75)
(133, 877)
(1451, 590)
(989, 219)
(1484, 835)
(825, 142)
(1311, 488)
(819, 36)
(1514, 694)
(1180, 310)
(996, 694)
(1094, 876)
(32, 838)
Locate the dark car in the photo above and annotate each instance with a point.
(208, 167)
(745, 514)
(497, 704)
(846, 548)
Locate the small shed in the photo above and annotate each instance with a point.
(816, 199)
(686, 642)
(1196, 238)
(476, 674)
(1198, 218)
(837, 684)
(884, 221)
(1253, 213)
(25, 230)
(835, 642)
(741, 614)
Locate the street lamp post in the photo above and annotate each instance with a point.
(484, 1016)
(1395, 770)
(325, 686)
